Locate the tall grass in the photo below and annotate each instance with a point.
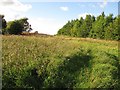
(59, 62)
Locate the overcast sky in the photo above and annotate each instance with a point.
(49, 17)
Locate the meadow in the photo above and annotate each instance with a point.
(59, 62)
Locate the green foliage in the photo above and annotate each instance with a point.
(98, 28)
(101, 27)
(59, 62)
(67, 29)
(76, 28)
(14, 27)
(25, 24)
(111, 31)
(3, 23)
(18, 26)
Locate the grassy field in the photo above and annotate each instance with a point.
(59, 62)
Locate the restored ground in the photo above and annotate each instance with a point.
(59, 61)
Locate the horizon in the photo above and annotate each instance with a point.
(49, 17)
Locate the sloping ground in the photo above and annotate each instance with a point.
(59, 62)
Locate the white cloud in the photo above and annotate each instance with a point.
(13, 9)
(64, 8)
(103, 4)
(45, 25)
(83, 15)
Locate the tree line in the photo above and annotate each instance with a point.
(14, 27)
(100, 27)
